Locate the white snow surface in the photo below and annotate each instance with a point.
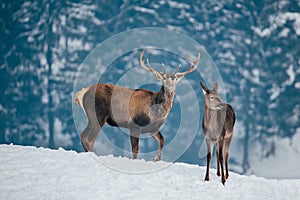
(40, 173)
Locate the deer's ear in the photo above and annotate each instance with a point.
(204, 88)
(215, 87)
(178, 78)
(204, 92)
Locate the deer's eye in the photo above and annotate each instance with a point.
(211, 97)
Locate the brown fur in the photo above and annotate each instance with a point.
(140, 110)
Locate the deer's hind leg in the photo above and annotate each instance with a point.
(89, 135)
(226, 153)
(160, 139)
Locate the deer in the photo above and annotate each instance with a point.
(139, 110)
(217, 124)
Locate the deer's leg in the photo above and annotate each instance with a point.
(218, 161)
(160, 139)
(89, 135)
(134, 139)
(84, 144)
(209, 145)
(226, 152)
(220, 148)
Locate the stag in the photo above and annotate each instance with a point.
(139, 110)
(217, 125)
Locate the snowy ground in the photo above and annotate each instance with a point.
(283, 163)
(39, 173)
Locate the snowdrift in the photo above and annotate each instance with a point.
(39, 173)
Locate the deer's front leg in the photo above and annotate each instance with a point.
(209, 145)
(160, 139)
(218, 161)
(221, 158)
(134, 139)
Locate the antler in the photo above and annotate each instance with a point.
(191, 69)
(148, 67)
(160, 75)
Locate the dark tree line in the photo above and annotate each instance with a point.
(44, 42)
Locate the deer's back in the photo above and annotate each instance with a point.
(120, 106)
(230, 118)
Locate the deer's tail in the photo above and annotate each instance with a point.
(79, 97)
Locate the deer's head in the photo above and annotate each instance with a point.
(211, 98)
(169, 81)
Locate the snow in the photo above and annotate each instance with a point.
(61, 139)
(145, 10)
(281, 160)
(39, 173)
(279, 20)
(292, 76)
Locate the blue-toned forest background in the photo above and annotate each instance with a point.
(255, 45)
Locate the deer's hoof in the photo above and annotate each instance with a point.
(85, 147)
(206, 178)
(223, 180)
(156, 159)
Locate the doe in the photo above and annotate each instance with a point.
(217, 125)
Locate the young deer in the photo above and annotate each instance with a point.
(139, 110)
(217, 125)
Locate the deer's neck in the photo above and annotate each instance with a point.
(213, 121)
(164, 101)
(208, 114)
(165, 97)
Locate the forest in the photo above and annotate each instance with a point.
(252, 43)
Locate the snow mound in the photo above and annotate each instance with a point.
(39, 173)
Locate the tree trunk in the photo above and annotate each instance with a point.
(246, 165)
(2, 125)
(49, 37)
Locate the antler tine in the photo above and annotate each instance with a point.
(177, 69)
(148, 67)
(142, 61)
(148, 63)
(192, 68)
(198, 59)
(164, 66)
